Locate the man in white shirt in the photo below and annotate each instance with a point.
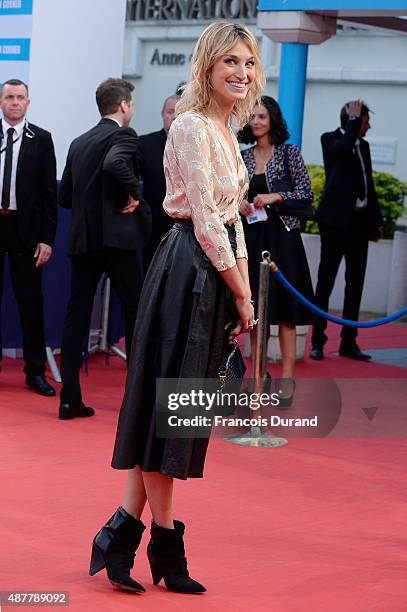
(348, 216)
(28, 219)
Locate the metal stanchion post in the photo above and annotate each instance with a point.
(255, 436)
(102, 344)
(53, 364)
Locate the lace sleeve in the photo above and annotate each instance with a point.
(190, 141)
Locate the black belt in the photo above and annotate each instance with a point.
(5, 212)
(184, 224)
(188, 226)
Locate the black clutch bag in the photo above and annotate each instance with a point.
(232, 366)
(231, 373)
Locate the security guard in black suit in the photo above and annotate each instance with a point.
(28, 220)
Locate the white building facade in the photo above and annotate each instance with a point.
(367, 64)
(355, 63)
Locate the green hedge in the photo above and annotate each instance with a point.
(390, 194)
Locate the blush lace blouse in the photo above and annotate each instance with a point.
(204, 184)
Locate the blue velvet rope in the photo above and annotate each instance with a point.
(295, 293)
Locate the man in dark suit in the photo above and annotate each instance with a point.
(348, 216)
(150, 162)
(109, 226)
(28, 219)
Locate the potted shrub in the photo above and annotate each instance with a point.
(391, 193)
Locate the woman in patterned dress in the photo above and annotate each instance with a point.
(199, 266)
(270, 162)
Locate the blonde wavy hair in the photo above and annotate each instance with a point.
(217, 40)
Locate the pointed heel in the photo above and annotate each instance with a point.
(155, 574)
(97, 561)
(166, 555)
(114, 548)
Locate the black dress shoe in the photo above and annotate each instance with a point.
(317, 353)
(70, 411)
(351, 349)
(40, 384)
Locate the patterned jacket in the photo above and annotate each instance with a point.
(275, 171)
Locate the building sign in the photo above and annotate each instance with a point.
(15, 39)
(16, 7)
(383, 150)
(14, 49)
(169, 59)
(180, 10)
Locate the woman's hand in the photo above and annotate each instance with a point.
(237, 279)
(263, 199)
(235, 331)
(245, 208)
(245, 310)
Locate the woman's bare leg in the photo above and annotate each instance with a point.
(287, 336)
(159, 490)
(153, 486)
(135, 496)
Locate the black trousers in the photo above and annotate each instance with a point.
(86, 270)
(352, 244)
(27, 286)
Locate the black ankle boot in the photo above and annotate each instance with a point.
(114, 547)
(166, 555)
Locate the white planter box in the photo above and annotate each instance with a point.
(273, 349)
(385, 287)
(13, 353)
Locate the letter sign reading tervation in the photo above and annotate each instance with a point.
(180, 10)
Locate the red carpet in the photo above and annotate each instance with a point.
(318, 525)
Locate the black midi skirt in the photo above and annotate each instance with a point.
(287, 250)
(179, 333)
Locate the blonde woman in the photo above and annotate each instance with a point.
(200, 266)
